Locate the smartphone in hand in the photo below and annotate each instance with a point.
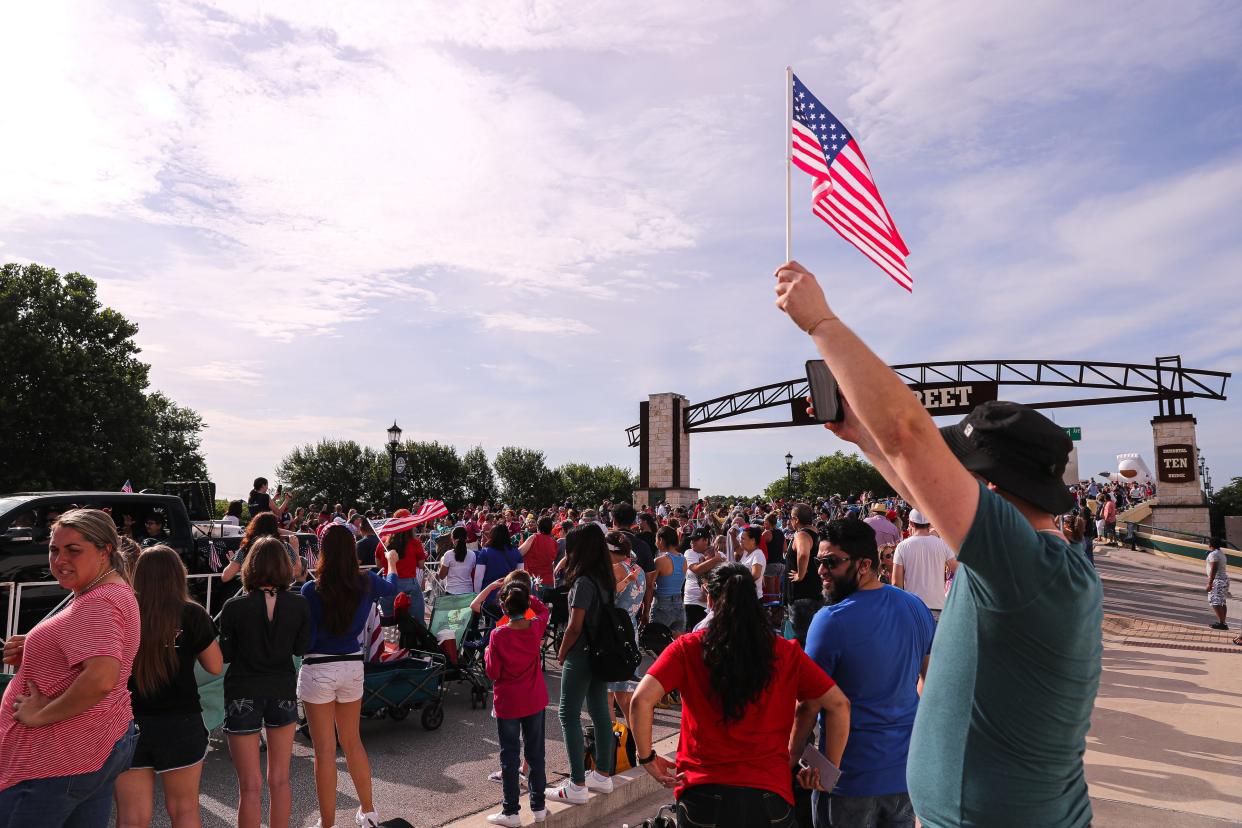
(825, 395)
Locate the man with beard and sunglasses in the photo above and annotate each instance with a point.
(1002, 724)
(874, 641)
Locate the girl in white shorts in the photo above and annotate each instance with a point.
(330, 682)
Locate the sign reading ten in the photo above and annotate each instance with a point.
(1175, 463)
(953, 397)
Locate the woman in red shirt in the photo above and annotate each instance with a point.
(410, 557)
(539, 554)
(749, 701)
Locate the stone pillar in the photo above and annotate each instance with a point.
(1070, 477)
(1181, 502)
(664, 453)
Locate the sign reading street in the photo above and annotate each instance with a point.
(1074, 432)
(953, 397)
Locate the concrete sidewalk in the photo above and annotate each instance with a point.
(1165, 747)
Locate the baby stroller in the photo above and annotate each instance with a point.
(452, 632)
(654, 638)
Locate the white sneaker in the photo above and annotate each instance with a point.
(599, 783)
(367, 820)
(540, 815)
(568, 792)
(499, 776)
(509, 820)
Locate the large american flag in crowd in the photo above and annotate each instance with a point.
(843, 193)
(430, 510)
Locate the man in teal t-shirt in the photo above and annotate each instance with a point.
(1014, 670)
(1001, 727)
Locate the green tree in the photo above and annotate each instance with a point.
(74, 413)
(434, 470)
(836, 473)
(591, 485)
(1227, 500)
(525, 477)
(478, 481)
(174, 443)
(336, 471)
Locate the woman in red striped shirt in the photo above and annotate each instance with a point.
(66, 726)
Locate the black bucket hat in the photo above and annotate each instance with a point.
(1017, 448)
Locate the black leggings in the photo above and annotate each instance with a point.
(728, 806)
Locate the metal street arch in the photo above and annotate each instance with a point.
(666, 421)
(1165, 382)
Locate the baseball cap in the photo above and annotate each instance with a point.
(701, 532)
(919, 518)
(1017, 448)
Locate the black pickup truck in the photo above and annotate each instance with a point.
(24, 528)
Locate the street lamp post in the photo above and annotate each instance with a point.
(394, 440)
(788, 474)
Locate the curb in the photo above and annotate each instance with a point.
(631, 786)
(1114, 579)
(1178, 645)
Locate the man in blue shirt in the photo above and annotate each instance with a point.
(874, 641)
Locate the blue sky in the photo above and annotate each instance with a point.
(507, 223)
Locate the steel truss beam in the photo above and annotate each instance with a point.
(1163, 382)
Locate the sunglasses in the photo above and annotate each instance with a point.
(831, 561)
(888, 556)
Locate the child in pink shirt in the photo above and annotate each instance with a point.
(514, 663)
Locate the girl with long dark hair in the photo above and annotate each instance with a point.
(330, 683)
(172, 742)
(749, 701)
(261, 630)
(494, 561)
(457, 567)
(592, 585)
(263, 525)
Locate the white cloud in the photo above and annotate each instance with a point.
(931, 73)
(288, 190)
(87, 127)
(237, 373)
(588, 25)
(533, 323)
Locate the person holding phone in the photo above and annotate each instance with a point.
(1015, 666)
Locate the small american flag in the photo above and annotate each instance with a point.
(843, 193)
(127, 488)
(214, 551)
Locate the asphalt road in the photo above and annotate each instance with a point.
(1135, 584)
(429, 778)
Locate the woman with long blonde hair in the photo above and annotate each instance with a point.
(172, 742)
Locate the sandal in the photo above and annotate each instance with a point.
(1238, 641)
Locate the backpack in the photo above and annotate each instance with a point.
(611, 643)
(622, 740)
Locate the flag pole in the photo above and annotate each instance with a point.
(788, 163)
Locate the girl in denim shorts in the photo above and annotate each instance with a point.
(261, 630)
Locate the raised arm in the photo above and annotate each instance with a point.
(902, 432)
